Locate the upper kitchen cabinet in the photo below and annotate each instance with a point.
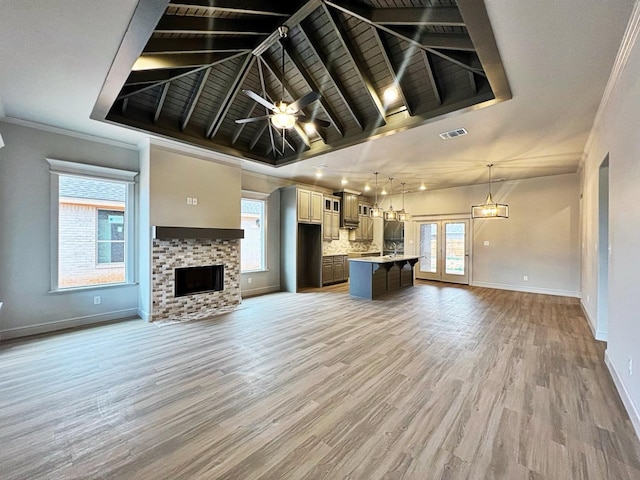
(331, 218)
(349, 217)
(309, 206)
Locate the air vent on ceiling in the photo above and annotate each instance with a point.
(453, 133)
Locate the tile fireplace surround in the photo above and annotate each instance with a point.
(176, 247)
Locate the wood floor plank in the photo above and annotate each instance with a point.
(437, 382)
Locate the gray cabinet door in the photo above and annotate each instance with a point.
(338, 269)
(315, 211)
(327, 270)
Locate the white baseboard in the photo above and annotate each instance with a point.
(67, 323)
(252, 292)
(624, 395)
(520, 288)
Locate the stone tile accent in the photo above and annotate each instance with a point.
(168, 255)
(344, 246)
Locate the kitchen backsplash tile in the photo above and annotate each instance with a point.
(344, 246)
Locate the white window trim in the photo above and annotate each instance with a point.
(262, 197)
(62, 167)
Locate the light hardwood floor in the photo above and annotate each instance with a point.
(439, 382)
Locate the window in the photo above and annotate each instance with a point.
(110, 236)
(92, 223)
(252, 246)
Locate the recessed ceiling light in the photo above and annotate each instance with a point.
(344, 181)
(422, 186)
(390, 94)
(367, 187)
(310, 128)
(319, 174)
(384, 191)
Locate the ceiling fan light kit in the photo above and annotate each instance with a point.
(284, 115)
(490, 209)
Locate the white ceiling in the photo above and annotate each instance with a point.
(558, 54)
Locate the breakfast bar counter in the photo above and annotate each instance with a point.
(373, 277)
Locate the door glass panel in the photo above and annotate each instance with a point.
(454, 245)
(428, 247)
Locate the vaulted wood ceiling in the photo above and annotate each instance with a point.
(187, 81)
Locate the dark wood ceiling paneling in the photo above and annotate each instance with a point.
(202, 54)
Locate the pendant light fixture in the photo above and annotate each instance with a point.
(490, 209)
(376, 211)
(402, 215)
(390, 215)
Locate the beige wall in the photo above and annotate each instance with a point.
(615, 134)
(540, 239)
(176, 176)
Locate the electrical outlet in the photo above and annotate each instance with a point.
(486, 243)
(525, 278)
(189, 201)
(97, 300)
(249, 280)
(195, 200)
(630, 366)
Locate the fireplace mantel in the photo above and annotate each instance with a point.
(169, 233)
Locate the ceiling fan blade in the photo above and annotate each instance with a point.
(253, 119)
(259, 99)
(316, 121)
(304, 101)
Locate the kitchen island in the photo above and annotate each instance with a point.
(372, 277)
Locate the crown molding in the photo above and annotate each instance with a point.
(69, 133)
(626, 46)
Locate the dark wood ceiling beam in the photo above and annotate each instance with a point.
(407, 39)
(307, 9)
(264, 93)
(240, 126)
(386, 56)
(161, 100)
(244, 7)
(476, 18)
(442, 41)
(195, 96)
(432, 16)
(302, 134)
(342, 92)
(213, 26)
(472, 81)
(167, 46)
(293, 58)
(143, 77)
(164, 80)
(431, 73)
(359, 66)
(258, 134)
(161, 62)
(234, 88)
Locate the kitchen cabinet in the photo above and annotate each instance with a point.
(334, 269)
(349, 217)
(364, 232)
(331, 218)
(300, 238)
(309, 206)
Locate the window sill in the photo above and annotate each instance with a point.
(254, 271)
(93, 287)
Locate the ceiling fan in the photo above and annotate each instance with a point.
(284, 115)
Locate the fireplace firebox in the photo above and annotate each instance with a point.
(190, 280)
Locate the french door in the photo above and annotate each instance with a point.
(444, 250)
